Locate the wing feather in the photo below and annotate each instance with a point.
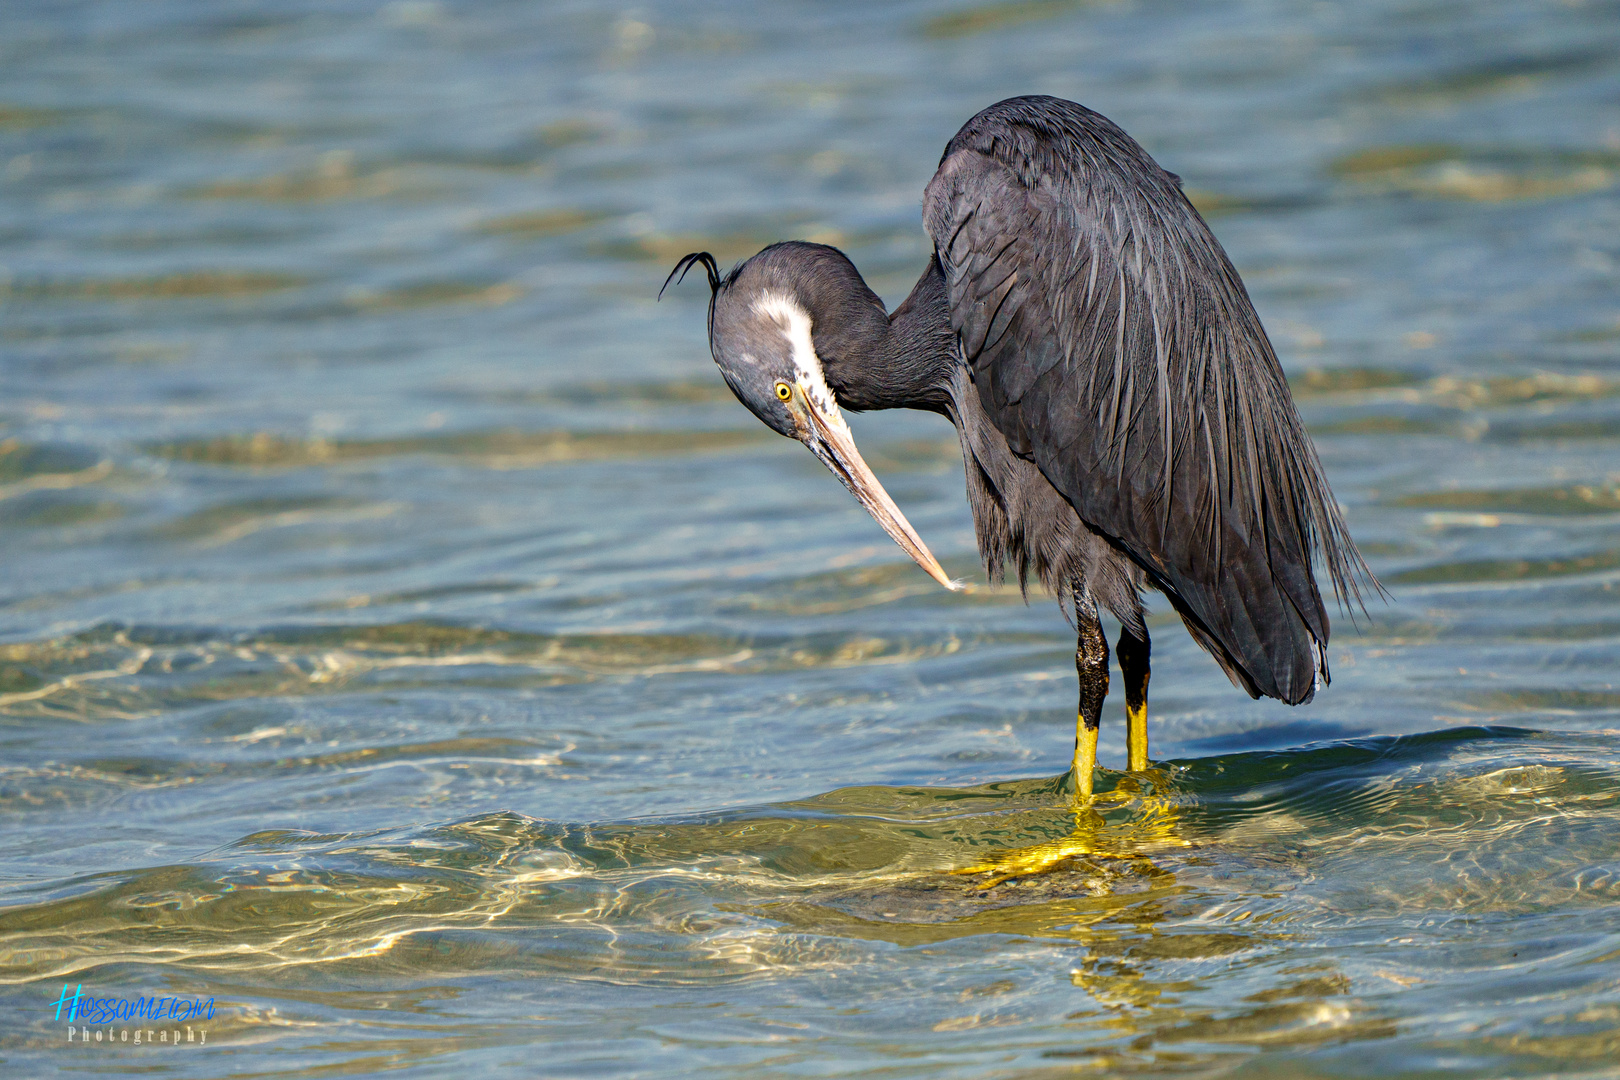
(1112, 343)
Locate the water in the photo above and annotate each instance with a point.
(407, 642)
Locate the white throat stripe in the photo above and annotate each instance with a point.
(795, 323)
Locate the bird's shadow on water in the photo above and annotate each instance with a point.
(1288, 735)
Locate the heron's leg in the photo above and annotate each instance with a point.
(1091, 661)
(1152, 820)
(1133, 667)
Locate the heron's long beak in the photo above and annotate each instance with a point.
(829, 438)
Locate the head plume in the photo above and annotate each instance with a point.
(709, 266)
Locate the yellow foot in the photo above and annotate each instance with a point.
(1151, 827)
(1136, 740)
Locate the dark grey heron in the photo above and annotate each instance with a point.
(1124, 421)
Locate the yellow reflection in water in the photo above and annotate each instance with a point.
(1150, 827)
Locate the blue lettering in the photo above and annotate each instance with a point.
(94, 1010)
(63, 1000)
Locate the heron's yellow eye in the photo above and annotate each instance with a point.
(784, 391)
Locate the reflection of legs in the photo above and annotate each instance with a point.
(1091, 661)
(1133, 668)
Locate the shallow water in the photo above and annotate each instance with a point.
(407, 642)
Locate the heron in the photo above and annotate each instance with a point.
(1124, 421)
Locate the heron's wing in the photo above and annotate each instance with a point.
(1114, 345)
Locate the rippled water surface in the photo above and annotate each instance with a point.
(407, 642)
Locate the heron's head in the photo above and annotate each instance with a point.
(765, 319)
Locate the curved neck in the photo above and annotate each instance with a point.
(907, 361)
